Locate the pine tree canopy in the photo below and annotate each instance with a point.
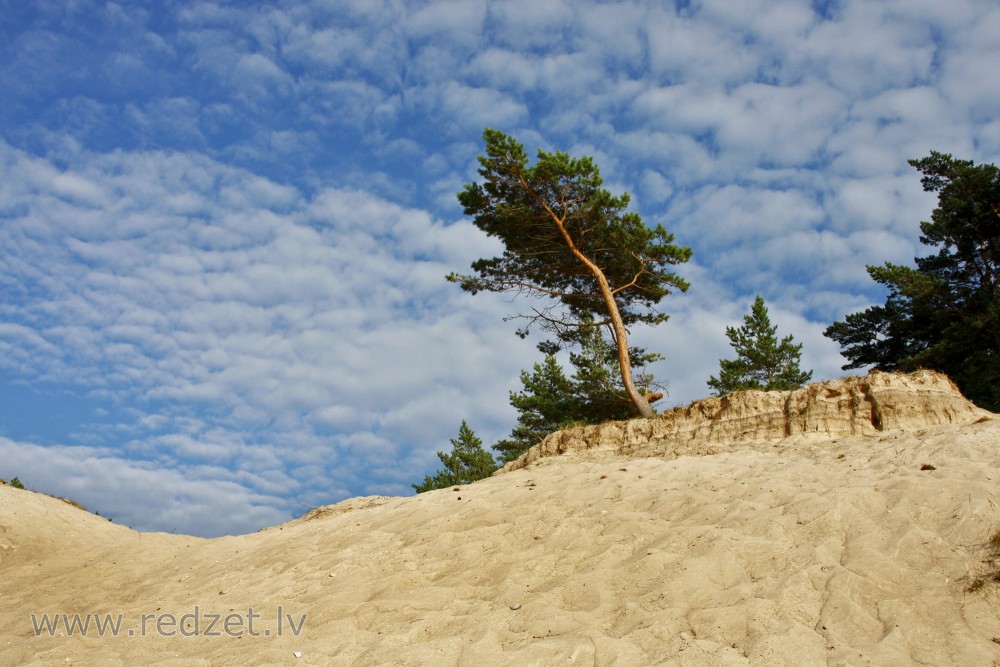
(943, 314)
(762, 362)
(545, 404)
(571, 242)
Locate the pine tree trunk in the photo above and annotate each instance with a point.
(621, 335)
(621, 340)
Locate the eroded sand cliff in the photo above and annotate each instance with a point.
(863, 405)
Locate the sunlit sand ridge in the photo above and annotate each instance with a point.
(847, 523)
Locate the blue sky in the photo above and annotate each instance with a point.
(224, 226)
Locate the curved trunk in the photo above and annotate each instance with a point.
(621, 335)
(621, 340)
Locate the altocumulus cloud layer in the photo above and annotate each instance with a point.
(224, 227)
(258, 340)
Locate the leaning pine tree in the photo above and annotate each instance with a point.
(762, 362)
(571, 241)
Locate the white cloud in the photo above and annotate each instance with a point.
(330, 47)
(525, 24)
(459, 21)
(504, 69)
(655, 187)
(475, 108)
(869, 46)
(615, 32)
(735, 215)
(779, 124)
(893, 203)
(767, 20)
(140, 495)
(679, 156)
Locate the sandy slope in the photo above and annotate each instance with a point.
(803, 550)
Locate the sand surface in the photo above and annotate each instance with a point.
(806, 550)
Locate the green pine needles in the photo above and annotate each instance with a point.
(943, 314)
(466, 463)
(550, 401)
(762, 362)
(573, 245)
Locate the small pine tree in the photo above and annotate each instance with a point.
(546, 404)
(466, 463)
(597, 385)
(16, 483)
(762, 361)
(594, 394)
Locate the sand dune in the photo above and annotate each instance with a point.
(718, 535)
